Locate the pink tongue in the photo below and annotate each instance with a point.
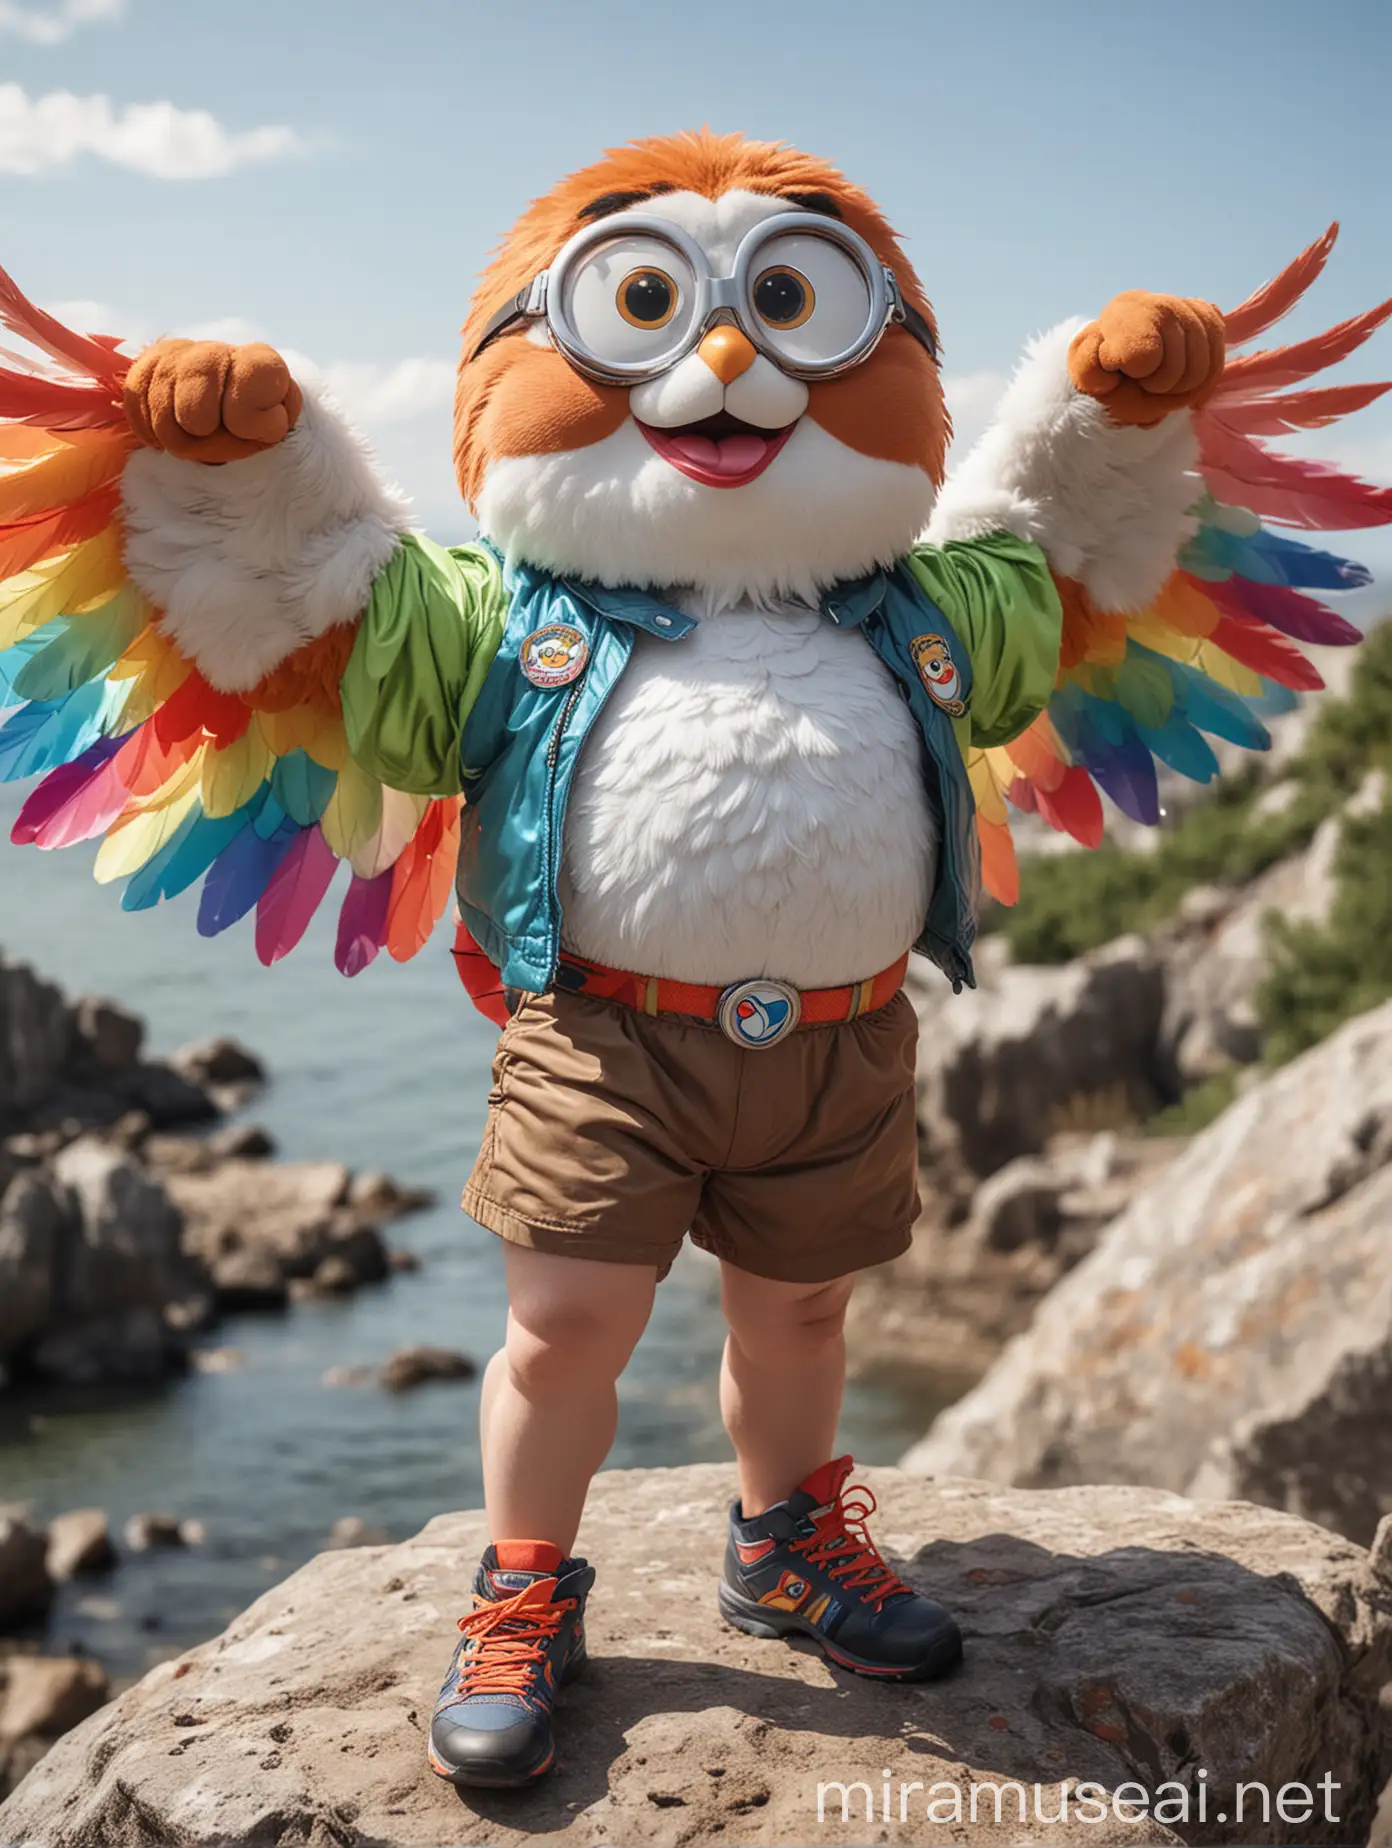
(730, 455)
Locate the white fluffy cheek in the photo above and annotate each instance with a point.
(689, 392)
(765, 396)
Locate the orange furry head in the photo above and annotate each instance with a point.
(520, 398)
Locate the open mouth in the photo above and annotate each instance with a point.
(720, 451)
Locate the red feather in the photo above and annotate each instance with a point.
(79, 352)
(196, 708)
(1074, 807)
(1266, 305)
(25, 544)
(1251, 414)
(1288, 365)
(1266, 653)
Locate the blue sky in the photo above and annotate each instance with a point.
(331, 174)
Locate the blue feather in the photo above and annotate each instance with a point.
(187, 856)
(241, 873)
(1213, 709)
(303, 788)
(47, 733)
(15, 658)
(81, 648)
(1177, 744)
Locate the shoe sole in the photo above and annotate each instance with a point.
(758, 1620)
(482, 1777)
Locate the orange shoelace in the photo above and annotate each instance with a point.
(842, 1544)
(507, 1643)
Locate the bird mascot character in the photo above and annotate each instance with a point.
(717, 720)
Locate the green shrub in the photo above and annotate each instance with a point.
(1324, 974)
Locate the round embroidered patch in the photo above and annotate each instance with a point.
(938, 672)
(554, 655)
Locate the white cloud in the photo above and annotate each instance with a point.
(159, 139)
(55, 25)
(389, 394)
(971, 398)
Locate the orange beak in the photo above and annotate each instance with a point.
(727, 352)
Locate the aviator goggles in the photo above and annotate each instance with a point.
(626, 299)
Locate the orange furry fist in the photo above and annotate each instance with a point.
(1148, 355)
(206, 401)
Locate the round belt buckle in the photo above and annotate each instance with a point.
(759, 1013)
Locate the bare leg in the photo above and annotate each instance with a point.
(781, 1381)
(549, 1408)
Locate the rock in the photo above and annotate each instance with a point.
(105, 1235)
(108, 1035)
(217, 1360)
(335, 1276)
(1034, 1051)
(1217, 953)
(941, 1314)
(295, 1212)
(383, 1198)
(145, 1532)
(49, 1696)
(249, 1281)
(1113, 1635)
(247, 1141)
(35, 1217)
(26, 1587)
(353, 1530)
(1231, 1334)
(218, 1061)
(415, 1366)
(79, 1542)
(402, 1262)
(36, 1037)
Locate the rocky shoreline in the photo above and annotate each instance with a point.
(132, 1215)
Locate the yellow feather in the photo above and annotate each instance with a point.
(73, 582)
(354, 813)
(45, 483)
(1211, 660)
(131, 844)
(401, 816)
(156, 666)
(300, 729)
(989, 800)
(232, 776)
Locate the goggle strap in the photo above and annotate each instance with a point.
(526, 305)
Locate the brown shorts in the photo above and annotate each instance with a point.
(611, 1134)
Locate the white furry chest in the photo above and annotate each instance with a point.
(750, 802)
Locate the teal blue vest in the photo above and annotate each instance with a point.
(522, 741)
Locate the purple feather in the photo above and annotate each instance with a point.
(292, 895)
(362, 923)
(239, 876)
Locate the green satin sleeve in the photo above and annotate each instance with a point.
(428, 638)
(1000, 598)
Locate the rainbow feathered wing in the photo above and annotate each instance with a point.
(1226, 628)
(254, 794)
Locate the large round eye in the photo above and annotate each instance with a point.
(811, 297)
(629, 301)
(783, 297)
(647, 298)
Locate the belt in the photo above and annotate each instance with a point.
(756, 1013)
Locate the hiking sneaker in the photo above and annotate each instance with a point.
(524, 1638)
(808, 1567)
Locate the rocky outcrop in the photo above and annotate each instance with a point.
(94, 1281)
(1231, 1334)
(1034, 1051)
(26, 1585)
(943, 1312)
(1116, 1636)
(119, 1235)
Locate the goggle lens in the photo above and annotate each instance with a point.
(630, 301)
